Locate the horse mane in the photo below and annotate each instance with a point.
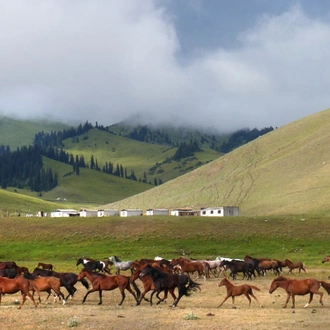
(281, 278)
(116, 259)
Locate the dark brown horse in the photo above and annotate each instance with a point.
(148, 285)
(101, 282)
(238, 290)
(8, 265)
(10, 286)
(294, 265)
(166, 281)
(295, 287)
(46, 266)
(326, 259)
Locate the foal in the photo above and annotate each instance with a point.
(234, 291)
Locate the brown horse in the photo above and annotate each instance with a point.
(294, 265)
(237, 290)
(187, 266)
(102, 282)
(45, 266)
(8, 265)
(148, 285)
(19, 283)
(326, 259)
(299, 287)
(46, 284)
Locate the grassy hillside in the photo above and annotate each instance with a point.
(136, 155)
(16, 133)
(14, 201)
(284, 172)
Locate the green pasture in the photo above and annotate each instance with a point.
(62, 241)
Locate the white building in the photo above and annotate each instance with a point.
(88, 213)
(157, 212)
(107, 213)
(184, 212)
(59, 213)
(222, 211)
(130, 212)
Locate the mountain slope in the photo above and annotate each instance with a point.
(286, 171)
(16, 133)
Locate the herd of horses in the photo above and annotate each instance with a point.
(157, 275)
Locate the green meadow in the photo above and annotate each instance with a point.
(62, 241)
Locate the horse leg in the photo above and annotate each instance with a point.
(228, 295)
(248, 297)
(256, 299)
(88, 292)
(287, 300)
(152, 293)
(310, 299)
(122, 290)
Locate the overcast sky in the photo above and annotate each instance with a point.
(208, 63)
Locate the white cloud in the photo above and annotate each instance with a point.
(106, 60)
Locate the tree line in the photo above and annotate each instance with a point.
(23, 168)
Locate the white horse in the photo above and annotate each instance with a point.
(121, 265)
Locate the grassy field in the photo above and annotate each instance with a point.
(62, 241)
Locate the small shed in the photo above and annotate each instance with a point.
(107, 213)
(59, 213)
(184, 212)
(221, 211)
(130, 212)
(88, 213)
(157, 212)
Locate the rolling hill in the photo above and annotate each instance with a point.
(17, 132)
(286, 171)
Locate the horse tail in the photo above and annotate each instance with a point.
(192, 286)
(254, 287)
(137, 290)
(325, 286)
(84, 283)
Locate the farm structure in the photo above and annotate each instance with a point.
(157, 212)
(107, 213)
(219, 211)
(88, 213)
(58, 213)
(185, 212)
(130, 212)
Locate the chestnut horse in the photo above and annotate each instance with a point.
(299, 287)
(46, 284)
(293, 265)
(188, 266)
(237, 290)
(19, 283)
(102, 282)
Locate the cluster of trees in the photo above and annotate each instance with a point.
(242, 137)
(23, 168)
(186, 150)
(145, 134)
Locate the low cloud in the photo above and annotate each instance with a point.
(106, 61)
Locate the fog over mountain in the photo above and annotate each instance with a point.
(185, 63)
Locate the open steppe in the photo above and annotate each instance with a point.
(198, 311)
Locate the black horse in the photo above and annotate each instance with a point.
(238, 266)
(167, 281)
(93, 265)
(68, 280)
(9, 273)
